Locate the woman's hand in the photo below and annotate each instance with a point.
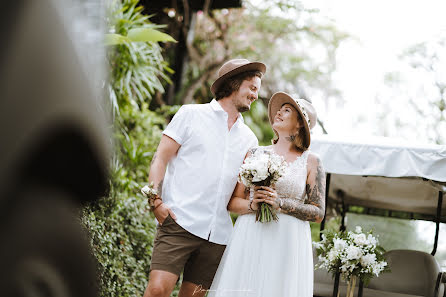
(267, 195)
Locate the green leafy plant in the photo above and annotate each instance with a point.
(137, 66)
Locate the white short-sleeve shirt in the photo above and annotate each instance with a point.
(201, 178)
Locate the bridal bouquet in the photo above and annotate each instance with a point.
(262, 169)
(354, 254)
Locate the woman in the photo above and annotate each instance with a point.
(275, 258)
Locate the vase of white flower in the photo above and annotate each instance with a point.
(354, 254)
(262, 168)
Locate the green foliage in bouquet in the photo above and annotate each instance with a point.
(266, 213)
(353, 254)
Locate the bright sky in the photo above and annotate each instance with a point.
(384, 29)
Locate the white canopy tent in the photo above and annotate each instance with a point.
(384, 173)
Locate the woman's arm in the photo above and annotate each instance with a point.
(240, 203)
(314, 207)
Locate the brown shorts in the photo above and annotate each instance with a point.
(175, 249)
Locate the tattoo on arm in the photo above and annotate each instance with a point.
(314, 207)
(160, 188)
(153, 159)
(247, 192)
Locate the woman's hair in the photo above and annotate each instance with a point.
(300, 141)
(232, 84)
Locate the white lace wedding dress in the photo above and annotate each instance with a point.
(270, 259)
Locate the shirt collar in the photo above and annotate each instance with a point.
(217, 107)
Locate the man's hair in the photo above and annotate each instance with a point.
(232, 84)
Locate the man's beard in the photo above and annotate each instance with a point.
(242, 108)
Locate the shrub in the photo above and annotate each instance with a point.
(120, 226)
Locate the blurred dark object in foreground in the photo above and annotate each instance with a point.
(54, 149)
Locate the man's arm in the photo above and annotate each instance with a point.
(314, 207)
(167, 149)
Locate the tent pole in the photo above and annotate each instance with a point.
(336, 283)
(437, 228)
(341, 195)
(327, 188)
(361, 287)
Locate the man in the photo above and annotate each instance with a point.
(202, 149)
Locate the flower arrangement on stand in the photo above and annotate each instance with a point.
(262, 168)
(354, 254)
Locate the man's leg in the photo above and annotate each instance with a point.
(189, 289)
(161, 283)
(200, 269)
(172, 248)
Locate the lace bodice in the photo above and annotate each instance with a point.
(292, 184)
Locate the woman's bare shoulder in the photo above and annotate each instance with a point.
(313, 161)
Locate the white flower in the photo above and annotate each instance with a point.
(353, 252)
(368, 259)
(378, 267)
(344, 267)
(259, 166)
(371, 240)
(360, 239)
(324, 238)
(243, 179)
(317, 245)
(332, 255)
(148, 191)
(339, 244)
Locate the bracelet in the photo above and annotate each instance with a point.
(249, 206)
(280, 203)
(152, 208)
(151, 199)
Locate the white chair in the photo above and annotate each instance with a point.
(413, 273)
